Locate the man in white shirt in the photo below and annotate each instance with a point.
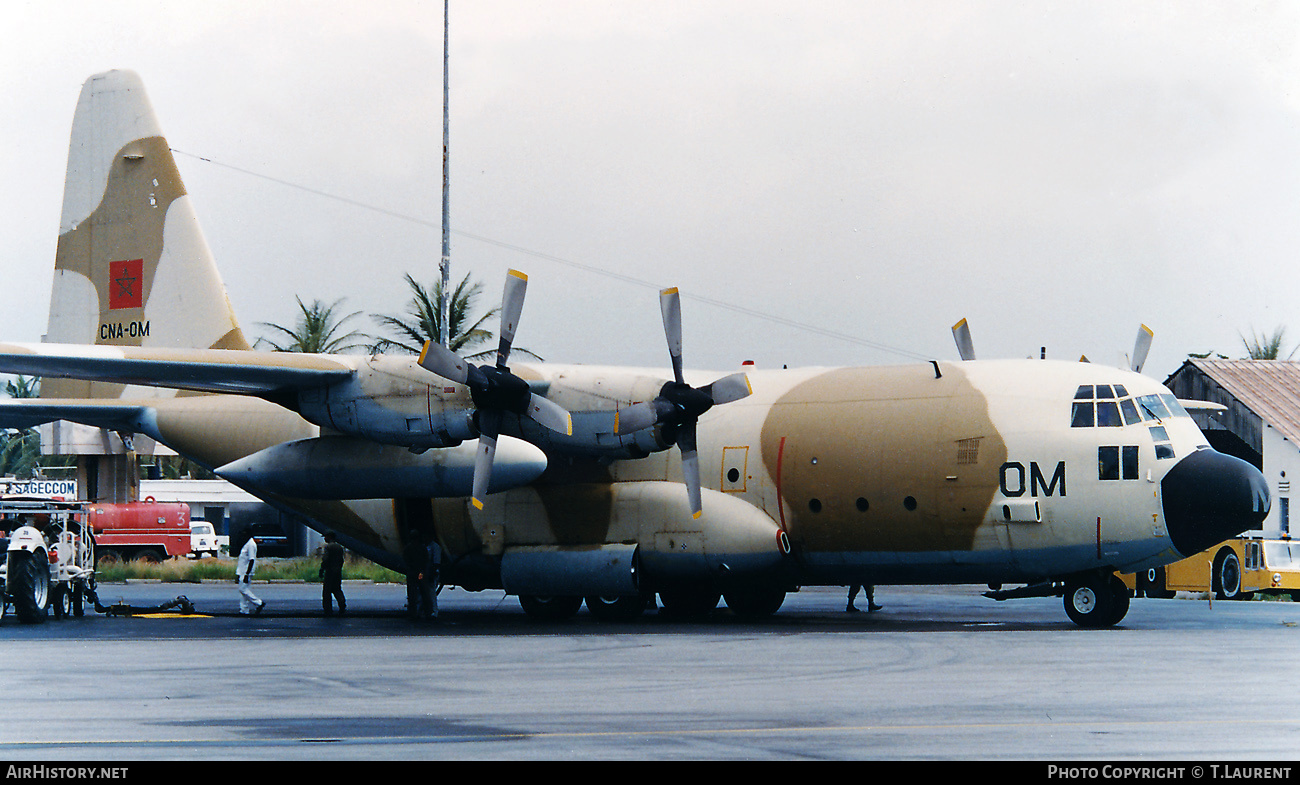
(248, 602)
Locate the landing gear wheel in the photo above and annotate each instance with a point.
(549, 608)
(29, 585)
(622, 608)
(755, 602)
(1227, 575)
(1096, 601)
(689, 602)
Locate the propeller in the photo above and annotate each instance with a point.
(678, 406)
(495, 390)
(965, 344)
(1140, 348)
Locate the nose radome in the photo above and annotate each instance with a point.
(1209, 497)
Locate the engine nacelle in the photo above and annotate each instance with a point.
(393, 401)
(346, 467)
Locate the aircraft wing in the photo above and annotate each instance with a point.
(204, 370)
(30, 412)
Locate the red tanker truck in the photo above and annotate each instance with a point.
(148, 530)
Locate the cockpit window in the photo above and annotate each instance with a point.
(1111, 406)
(1175, 408)
(1108, 414)
(1154, 407)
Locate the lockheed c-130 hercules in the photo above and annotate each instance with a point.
(560, 483)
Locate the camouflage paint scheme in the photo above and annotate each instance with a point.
(941, 472)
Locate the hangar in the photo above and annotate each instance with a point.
(1261, 422)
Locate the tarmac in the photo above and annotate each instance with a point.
(940, 673)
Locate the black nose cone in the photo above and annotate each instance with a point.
(1209, 497)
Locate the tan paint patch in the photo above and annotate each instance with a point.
(127, 225)
(884, 459)
(578, 500)
(578, 514)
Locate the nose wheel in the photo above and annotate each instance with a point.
(1096, 600)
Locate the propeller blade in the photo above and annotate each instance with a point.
(691, 468)
(444, 362)
(1141, 347)
(636, 417)
(489, 427)
(678, 405)
(670, 304)
(965, 344)
(550, 414)
(729, 388)
(512, 305)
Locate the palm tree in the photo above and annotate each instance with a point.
(318, 331)
(24, 387)
(423, 321)
(20, 450)
(1266, 347)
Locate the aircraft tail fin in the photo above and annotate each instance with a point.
(132, 267)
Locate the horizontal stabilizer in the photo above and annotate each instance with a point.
(30, 412)
(204, 370)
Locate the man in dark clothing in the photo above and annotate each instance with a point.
(331, 575)
(422, 563)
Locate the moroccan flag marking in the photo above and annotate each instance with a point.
(126, 284)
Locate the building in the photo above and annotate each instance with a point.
(1260, 424)
(231, 511)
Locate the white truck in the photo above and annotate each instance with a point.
(49, 559)
(205, 542)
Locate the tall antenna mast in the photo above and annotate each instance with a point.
(444, 302)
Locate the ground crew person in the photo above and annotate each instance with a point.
(422, 563)
(331, 575)
(248, 602)
(871, 598)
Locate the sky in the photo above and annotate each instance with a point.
(828, 183)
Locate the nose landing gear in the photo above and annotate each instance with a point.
(1096, 599)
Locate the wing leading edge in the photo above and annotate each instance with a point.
(202, 370)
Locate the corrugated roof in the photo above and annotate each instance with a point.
(1269, 388)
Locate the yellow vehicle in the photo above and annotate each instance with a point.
(1233, 569)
